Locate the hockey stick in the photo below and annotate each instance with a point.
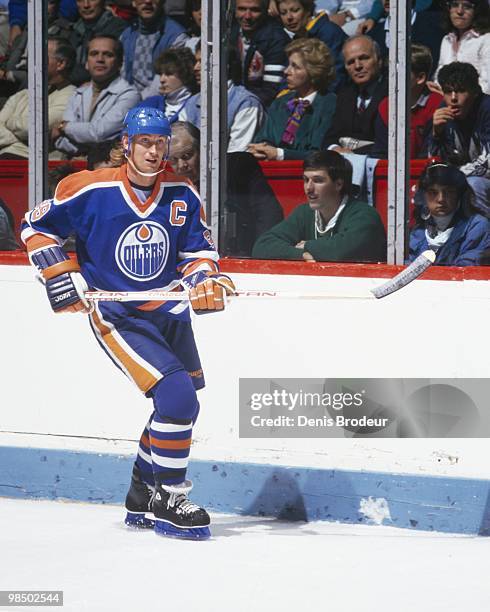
(251, 294)
(409, 274)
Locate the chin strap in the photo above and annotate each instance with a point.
(127, 152)
(133, 166)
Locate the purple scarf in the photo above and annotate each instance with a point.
(297, 108)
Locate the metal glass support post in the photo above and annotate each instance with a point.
(398, 130)
(37, 18)
(214, 105)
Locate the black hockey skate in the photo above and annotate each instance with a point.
(138, 502)
(178, 517)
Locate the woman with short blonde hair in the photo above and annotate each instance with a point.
(300, 22)
(300, 116)
(318, 60)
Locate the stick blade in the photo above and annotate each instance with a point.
(411, 272)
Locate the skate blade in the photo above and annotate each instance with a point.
(163, 528)
(138, 521)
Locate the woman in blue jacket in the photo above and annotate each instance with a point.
(446, 221)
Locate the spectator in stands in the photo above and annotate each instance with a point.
(260, 41)
(299, 21)
(123, 9)
(176, 10)
(14, 116)
(146, 39)
(4, 27)
(17, 19)
(348, 14)
(185, 151)
(299, 119)
(423, 104)
(96, 112)
(94, 19)
(378, 12)
(245, 111)
(56, 174)
(446, 220)
(352, 127)
(331, 226)
(7, 238)
(249, 195)
(13, 68)
(58, 25)
(18, 15)
(193, 17)
(68, 9)
(177, 82)
(426, 30)
(119, 8)
(468, 40)
(99, 155)
(460, 132)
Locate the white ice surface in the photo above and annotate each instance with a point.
(250, 564)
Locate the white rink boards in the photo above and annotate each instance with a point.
(334, 338)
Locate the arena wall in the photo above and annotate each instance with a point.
(70, 419)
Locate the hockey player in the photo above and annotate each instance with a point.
(139, 227)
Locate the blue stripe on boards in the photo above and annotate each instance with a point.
(434, 503)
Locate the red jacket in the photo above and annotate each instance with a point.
(421, 117)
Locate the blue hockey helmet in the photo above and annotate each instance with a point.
(146, 121)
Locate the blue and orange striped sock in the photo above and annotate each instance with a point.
(170, 443)
(143, 458)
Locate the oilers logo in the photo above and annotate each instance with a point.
(142, 250)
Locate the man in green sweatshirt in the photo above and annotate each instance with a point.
(331, 226)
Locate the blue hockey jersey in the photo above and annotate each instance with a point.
(122, 244)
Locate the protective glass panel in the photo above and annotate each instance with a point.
(354, 122)
(13, 124)
(298, 157)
